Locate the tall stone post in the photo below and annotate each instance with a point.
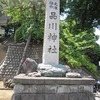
(51, 33)
(50, 63)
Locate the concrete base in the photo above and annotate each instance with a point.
(53, 88)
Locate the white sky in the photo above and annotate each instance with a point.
(62, 17)
(97, 32)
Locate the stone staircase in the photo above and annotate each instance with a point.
(13, 57)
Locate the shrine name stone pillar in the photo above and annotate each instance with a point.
(50, 66)
(51, 33)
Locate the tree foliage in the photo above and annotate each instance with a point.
(27, 13)
(82, 17)
(29, 16)
(73, 47)
(85, 12)
(94, 55)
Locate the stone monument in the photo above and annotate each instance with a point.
(52, 85)
(51, 33)
(50, 63)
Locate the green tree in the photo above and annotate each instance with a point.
(94, 55)
(29, 14)
(85, 12)
(86, 16)
(26, 13)
(73, 48)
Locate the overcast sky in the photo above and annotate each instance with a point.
(97, 32)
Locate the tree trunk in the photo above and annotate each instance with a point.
(24, 54)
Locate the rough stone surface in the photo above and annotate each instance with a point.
(70, 96)
(33, 97)
(73, 75)
(29, 65)
(52, 70)
(34, 74)
(53, 88)
(16, 97)
(25, 80)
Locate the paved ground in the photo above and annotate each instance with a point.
(5, 94)
(97, 96)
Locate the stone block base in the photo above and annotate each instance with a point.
(71, 96)
(53, 88)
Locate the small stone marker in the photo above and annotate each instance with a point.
(51, 36)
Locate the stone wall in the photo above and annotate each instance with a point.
(52, 88)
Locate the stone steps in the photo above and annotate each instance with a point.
(13, 57)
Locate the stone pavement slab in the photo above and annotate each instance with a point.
(97, 96)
